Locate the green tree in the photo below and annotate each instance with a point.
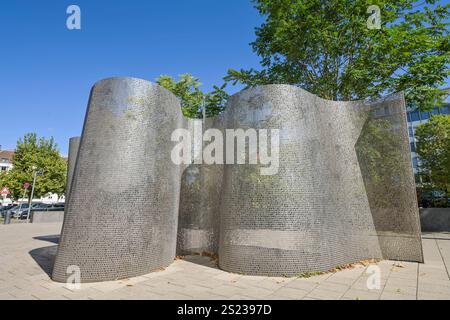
(327, 48)
(433, 149)
(44, 155)
(381, 162)
(187, 89)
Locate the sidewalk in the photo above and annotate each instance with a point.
(27, 251)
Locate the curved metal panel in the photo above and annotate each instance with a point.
(343, 192)
(74, 144)
(121, 219)
(323, 208)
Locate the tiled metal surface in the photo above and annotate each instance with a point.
(198, 224)
(344, 191)
(121, 219)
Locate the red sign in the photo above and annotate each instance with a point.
(5, 191)
(26, 185)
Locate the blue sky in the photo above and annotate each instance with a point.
(47, 71)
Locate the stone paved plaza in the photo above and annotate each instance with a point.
(27, 252)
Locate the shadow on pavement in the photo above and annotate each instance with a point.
(45, 257)
(201, 260)
(52, 238)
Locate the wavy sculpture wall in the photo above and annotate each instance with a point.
(344, 191)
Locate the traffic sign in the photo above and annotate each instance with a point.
(26, 185)
(5, 191)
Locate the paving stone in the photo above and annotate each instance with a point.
(329, 286)
(21, 277)
(396, 296)
(304, 285)
(432, 296)
(6, 296)
(176, 296)
(227, 277)
(108, 286)
(440, 288)
(355, 294)
(412, 291)
(361, 284)
(213, 283)
(227, 290)
(240, 297)
(392, 282)
(211, 296)
(291, 293)
(277, 297)
(341, 280)
(257, 293)
(324, 294)
(81, 294)
(269, 284)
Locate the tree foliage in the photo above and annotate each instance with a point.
(187, 89)
(44, 155)
(433, 148)
(327, 48)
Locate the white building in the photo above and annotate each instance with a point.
(6, 160)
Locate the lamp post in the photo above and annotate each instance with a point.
(36, 173)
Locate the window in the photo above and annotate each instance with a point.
(413, 147)
(436, 110)
(415, 116)
(445, 110)
(425, 115)
(411, 131)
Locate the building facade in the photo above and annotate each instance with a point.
(416, 118)
(6, 160)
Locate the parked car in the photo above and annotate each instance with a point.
(42, 207)
(5, 209)
(57, 207)
(22, 210)
(18, 210)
